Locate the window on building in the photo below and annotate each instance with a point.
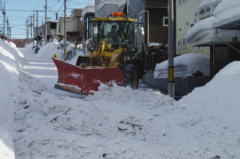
(165, 21)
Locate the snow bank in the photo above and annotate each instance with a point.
(54, 48)
(9, 59)
(220, 97)
(185, 65)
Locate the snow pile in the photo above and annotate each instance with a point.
(9, 57)
(217, 107)
(185, 65)
(221, 94)
(50, 49)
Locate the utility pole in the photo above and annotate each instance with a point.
(4, 18)
(171, 48)
(7, 23)
(31, 30)
(64, 28)
(37, 29)
(10, 32)
(37, 22)
(37, 32)
(57, 16)
(45, 37)
(33, 26)
(27, 31)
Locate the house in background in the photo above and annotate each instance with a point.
(74, 26)
(77, 32)
(151, 20)
(51, 30)
(60, 27)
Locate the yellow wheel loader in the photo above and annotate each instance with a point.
(111, 58)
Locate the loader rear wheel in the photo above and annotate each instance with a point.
(130, 72)
(134, 81)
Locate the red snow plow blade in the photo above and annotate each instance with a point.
(84, 80)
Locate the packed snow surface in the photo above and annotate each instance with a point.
(184, 65)
(116, 122)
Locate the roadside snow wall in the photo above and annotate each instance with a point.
(220, 97)
(10, 58)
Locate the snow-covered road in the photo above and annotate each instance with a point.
(114, 123)
(121, 123)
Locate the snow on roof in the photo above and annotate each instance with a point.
(89, 8)
(207, 6)
(185, 65)
(227, 11)
(204, 32)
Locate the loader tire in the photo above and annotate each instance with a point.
(130, 72)
(134, 81)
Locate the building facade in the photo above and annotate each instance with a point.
(151, 20)
(69, 25)
(51, 30)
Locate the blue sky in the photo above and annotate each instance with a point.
(19, 10)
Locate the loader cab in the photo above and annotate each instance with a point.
(116, 32)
